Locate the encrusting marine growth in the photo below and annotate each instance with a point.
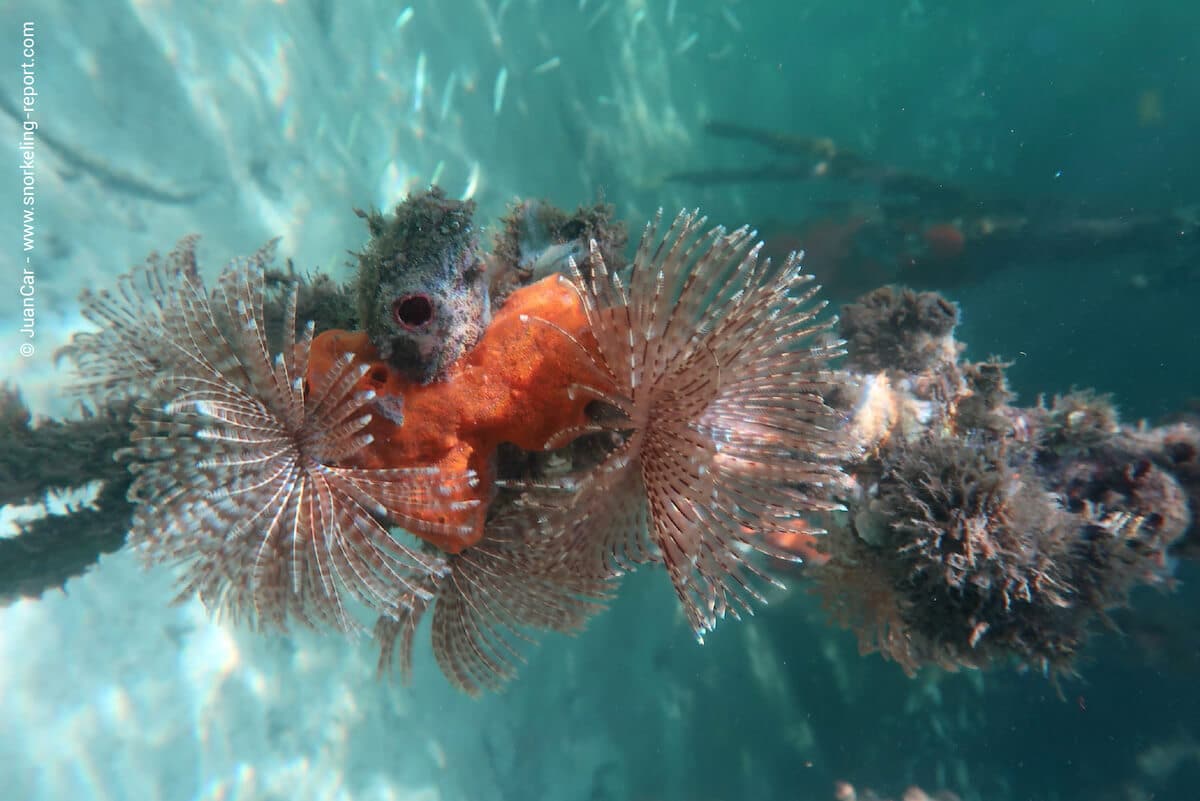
(506, 433)
(686, 394)
(979, 531)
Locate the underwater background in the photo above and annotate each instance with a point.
(242, 121)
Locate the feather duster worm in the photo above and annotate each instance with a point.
(232, 452)
(717, 366)
(492, 601)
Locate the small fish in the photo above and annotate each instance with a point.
(419, 82)
(638, 17)
(448, 95)
(548, 65)
(498, 90)
(687, 43)
(597, 17)
(554, 259)
(352, 133)
(731, 18)
(403, 18)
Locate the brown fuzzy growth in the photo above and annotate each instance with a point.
(231, 452)
(859, 593)
(986, 544)
(719, 364)
(1135, 511)
(962, 518)
(971, 554)
(422, 285)
(982, 408)
(535, 238)
(319, 299)
(1078, 421)
(893, 328)
(1178, 452)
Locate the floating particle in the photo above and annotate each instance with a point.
(1150, 108)
(498, 90)
(491, 23)
(548, 65)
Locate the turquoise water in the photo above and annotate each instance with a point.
(242, 121)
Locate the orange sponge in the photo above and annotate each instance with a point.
(513, 386)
